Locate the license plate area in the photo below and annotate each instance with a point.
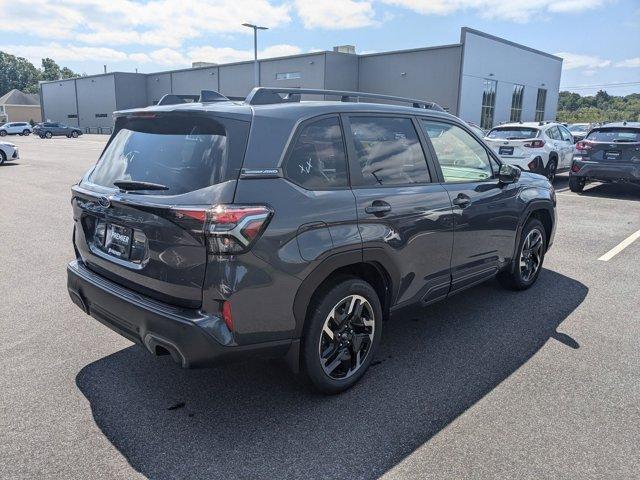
(505, 151)
(612, 154)
(116, 239)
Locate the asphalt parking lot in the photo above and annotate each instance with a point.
(493, 384)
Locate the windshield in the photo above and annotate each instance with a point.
(614, 135)
(181, 154)
(513, 133)
(578, 128)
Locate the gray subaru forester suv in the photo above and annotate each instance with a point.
(222, 229)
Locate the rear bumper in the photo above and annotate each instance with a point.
(610, 172)
(193, 338)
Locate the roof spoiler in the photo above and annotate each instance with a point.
(270, 95)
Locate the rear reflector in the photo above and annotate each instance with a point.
(226, 315)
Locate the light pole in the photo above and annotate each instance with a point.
(256, 74)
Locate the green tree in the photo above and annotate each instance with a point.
(17, 72)
(601, 107)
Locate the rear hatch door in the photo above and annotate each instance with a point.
(508, 142)
(613, 145)
(146, 233)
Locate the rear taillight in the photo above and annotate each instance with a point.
(575, 168)
(228, 229)
(583, 147)
(534, 144)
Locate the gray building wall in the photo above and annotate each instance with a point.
(341, 71)
(131, 90)
(450, 75)
(426, 74)
(236, 80)
(158, 85)
(487, 57)
(96, 100)
(59, 101)
(189, 82)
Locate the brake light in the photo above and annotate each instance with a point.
(583, 146)
(534, 144)
(228, 229)
(575, 168)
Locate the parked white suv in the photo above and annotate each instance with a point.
(15, 128)
(8, 152)
(544, 148)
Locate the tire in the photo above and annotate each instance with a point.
(333, 337)
(26, 132)
(3, 133)
(519, 276)
(576, 184)
(3, 157)
(550, 170)
(74, 134)
(48, 135)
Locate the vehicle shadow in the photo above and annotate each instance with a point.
(254, 421)
(620, 191)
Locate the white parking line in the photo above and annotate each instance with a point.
(621, 246)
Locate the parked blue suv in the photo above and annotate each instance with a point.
(219, 229)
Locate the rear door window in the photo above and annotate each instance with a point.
(317, 160)
(388, 151)
(182, 152)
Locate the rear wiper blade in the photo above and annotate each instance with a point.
(129, 185)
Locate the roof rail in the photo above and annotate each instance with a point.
(271, 95)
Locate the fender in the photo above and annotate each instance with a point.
(533, 205)
(374, 256)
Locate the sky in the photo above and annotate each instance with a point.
(598, 39)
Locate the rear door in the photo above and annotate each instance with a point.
(485, 212)
(402, 213)
(150, 240)
(567, 147)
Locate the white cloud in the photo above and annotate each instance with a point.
(64, 53)
(166, 23)
(629, 63)
(573, 61)
(515, 10)
(229, 55)
(335, 14)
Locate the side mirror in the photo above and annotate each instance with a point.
(508, 174)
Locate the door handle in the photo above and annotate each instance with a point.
(462, 200)
(378, 208)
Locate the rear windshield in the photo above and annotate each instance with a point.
(183, 153)
(513, 133)
(614, 135)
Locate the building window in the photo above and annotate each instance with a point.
(72, 115)
(101, 115)
(516, 103)
(288, 75)
(488, 104)
(540, 103)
